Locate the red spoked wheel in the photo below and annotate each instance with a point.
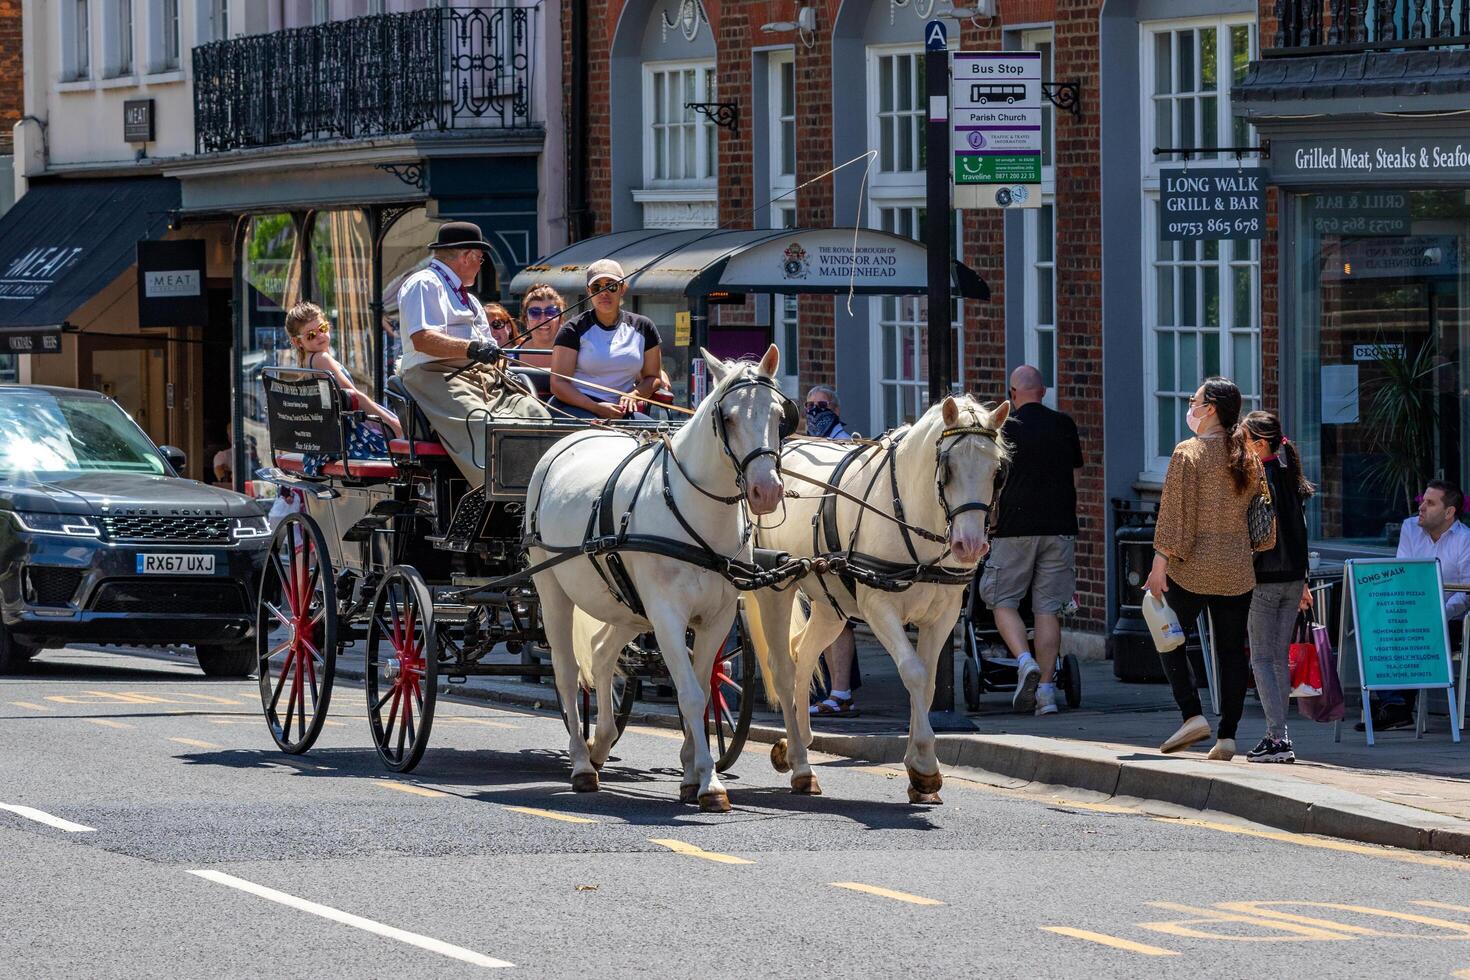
(296, 633)
(731, 695)
(402, 668)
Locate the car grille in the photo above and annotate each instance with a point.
(181, 529)
(53, 586)
(165, 596)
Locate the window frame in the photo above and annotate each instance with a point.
(895, 178)
(704, 128)
(76, 40)
(1034, 332)
(170, 36)
(779, 182)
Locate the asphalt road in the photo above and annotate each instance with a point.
(326, 865)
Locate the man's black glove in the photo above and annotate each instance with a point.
(484, 351)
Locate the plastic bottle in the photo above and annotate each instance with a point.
(1162, 623)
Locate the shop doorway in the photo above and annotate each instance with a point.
(134, 372)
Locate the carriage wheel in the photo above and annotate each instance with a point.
(402, 668)
(296, 633)
(731, 695)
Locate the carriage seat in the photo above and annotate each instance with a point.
(419, 438)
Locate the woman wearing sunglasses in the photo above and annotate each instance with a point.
(541, 310)
(311, 346)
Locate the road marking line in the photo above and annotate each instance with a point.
(42, 817)
(356, 921)
(689, 850)
(408, 788)
(127, 698)
(107, 722)
(857, 886)
(1113, 941)
(1182, 928)
(483, 721)
(1461, 974)
(33, 707)
(1407, 857)
(194, 743)
(548, 814)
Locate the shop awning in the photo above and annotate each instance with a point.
(697, 262)
(63, 242)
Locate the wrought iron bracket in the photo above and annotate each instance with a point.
(1263, 151)
(725, 114)
(412, 174)
(1066, 96)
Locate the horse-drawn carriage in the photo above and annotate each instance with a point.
(402, 555)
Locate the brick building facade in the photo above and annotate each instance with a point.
(1104, 275)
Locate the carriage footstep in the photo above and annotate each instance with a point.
(584, 782)
(806, 785)
(778, 756)
(715, 802)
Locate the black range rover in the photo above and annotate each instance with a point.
(102, 542)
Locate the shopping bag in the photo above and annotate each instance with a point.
(1327, 706)
(288, 501)
(1306, 668)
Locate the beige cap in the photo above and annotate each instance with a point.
(604, 269)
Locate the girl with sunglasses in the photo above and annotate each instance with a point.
(311, 347)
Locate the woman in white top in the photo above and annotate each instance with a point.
(608, 347)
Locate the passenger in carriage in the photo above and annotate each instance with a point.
(446, 329)
(311, 346)
(541, 311)
(610, 348)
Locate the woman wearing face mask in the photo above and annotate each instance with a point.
(821, 414)
(1202, 556)
(1281, 582)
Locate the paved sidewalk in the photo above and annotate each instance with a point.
(1404, 791)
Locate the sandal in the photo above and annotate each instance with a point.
(833, 708)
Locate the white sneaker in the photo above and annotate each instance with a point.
(1046, 701)
(1028, 676)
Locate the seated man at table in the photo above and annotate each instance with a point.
(1435, 533)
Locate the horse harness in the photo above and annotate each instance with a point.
(606, 540)
(852, 566)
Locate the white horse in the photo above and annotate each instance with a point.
(945, 467)
(725, 453)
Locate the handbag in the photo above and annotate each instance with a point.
(1260, 516)
(1329, 705)
(1306, 668)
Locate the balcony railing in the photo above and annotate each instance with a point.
(385, 75)
(1341, 26)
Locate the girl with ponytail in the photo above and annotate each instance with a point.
(1202, 556)
(1281, 581)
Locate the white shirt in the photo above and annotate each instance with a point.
(1453, 551)
(429, 300)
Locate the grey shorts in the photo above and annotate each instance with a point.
(1045, 565)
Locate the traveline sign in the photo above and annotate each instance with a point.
(1212, 204)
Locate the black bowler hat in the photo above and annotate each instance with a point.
(460, 234)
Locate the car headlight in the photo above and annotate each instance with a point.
(72, 525)
(252, 527)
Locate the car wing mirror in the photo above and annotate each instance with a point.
(175, 457)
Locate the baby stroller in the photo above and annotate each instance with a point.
(989, 665)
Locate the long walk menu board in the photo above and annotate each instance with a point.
(1398, 629)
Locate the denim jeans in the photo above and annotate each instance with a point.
(1273, 614)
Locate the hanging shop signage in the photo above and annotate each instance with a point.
(1360, 213)
(1395, 608)
(41, 340)
(171, 284)
(1357, 160)
(1212, 204)
(995, 129)
(138, 121)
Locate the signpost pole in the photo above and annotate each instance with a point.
(937, 239)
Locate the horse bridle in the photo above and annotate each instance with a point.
(741, 464)
(941, 469)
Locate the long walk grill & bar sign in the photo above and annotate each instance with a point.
(1201, 204)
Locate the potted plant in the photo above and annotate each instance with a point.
(1402, 419)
